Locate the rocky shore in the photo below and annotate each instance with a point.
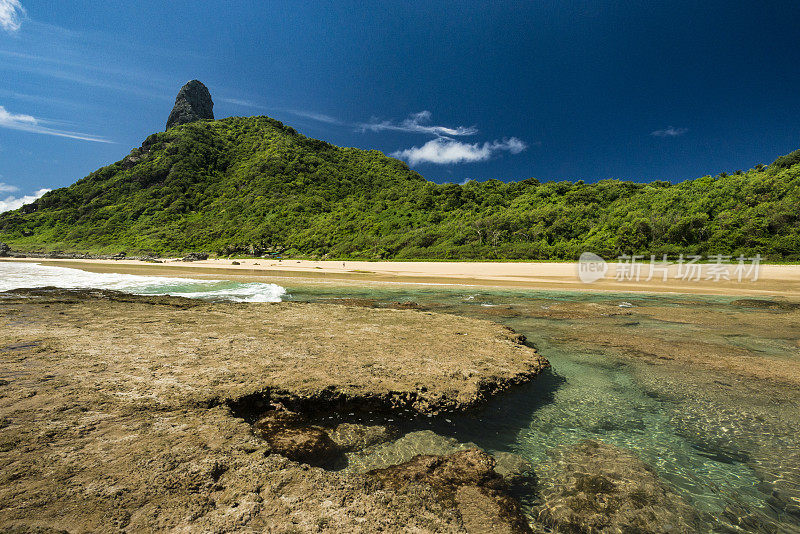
(122, 412)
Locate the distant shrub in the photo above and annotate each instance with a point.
(784, 162)
(255, 186)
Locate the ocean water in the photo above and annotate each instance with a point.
(734, 455)
(14, 275)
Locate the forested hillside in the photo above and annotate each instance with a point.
(253, 185)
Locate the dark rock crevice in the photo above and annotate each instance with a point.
(465, 481)
(411, 403)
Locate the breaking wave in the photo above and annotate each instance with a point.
(15, 275)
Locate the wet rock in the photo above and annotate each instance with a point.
(406, 305)
(468, 480)
(288, 435)
(193, 103)
(354, 437)
(4, 250)
(445, 473)
(195, 256)
(594, 487)
(511, 467)
(278, 419)
(516, 337)
(421, 442)
(490, 512)
(766, 304)
(737, 518)
(308, 445)
(363, 303)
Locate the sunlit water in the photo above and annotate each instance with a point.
(719, 454)
(722, 455)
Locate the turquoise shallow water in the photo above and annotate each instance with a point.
(590, 394)
(732, 455)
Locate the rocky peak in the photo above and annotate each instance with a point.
(193, 103)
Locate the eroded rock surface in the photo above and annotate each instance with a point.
(174, 352)
(121, 412)
(292, 436)
(468, 479)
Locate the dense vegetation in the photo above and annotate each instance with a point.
(254, 185)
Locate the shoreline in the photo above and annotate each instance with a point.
(775, 280)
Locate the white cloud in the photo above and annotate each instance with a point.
(417, 123)
(28, 123)
(445, 151)
(12, 203)
(669, 131)
(239, 102)
(11, 14)
(320, 117)
(8, 188)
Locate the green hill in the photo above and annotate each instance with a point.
(250, 185)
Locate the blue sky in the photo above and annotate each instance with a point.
(462, 90)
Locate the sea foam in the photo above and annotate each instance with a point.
(16, 275)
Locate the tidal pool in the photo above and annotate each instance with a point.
(699, 388)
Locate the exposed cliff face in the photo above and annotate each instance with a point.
(193, 103)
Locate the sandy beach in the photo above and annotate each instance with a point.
(772, 280)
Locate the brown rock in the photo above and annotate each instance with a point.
(511, 467)
(287, 434)
(490, 512)
(354, 437)
(132, 413)
(468, 480)
(445, 473)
